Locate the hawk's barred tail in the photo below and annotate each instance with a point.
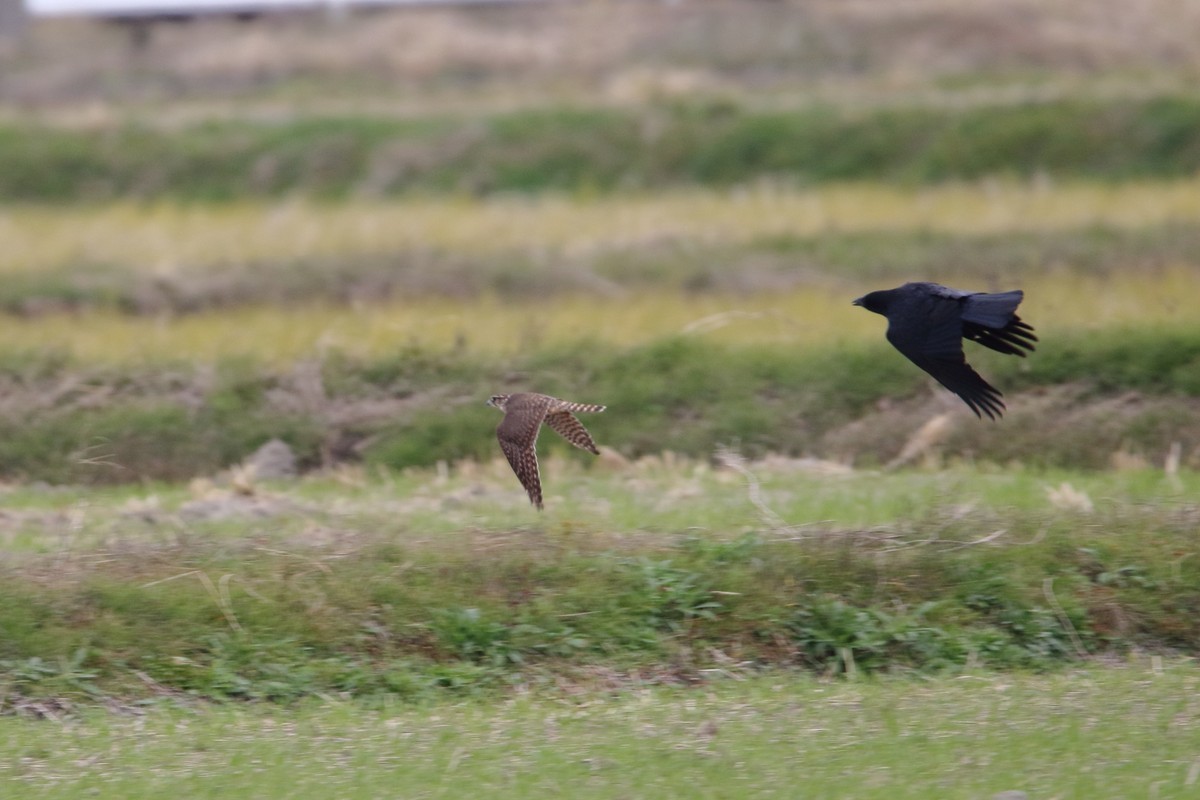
(586, 408)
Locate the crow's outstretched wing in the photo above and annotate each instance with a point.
(928, 329)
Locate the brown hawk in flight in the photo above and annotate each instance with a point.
(524, 414)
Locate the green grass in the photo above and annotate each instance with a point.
(571, 149)
(658, 494)
(1099, 732)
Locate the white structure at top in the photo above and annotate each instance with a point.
(152, 8)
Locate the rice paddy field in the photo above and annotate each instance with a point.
(797, 567)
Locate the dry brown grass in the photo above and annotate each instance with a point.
(613, 51)
(170, 239)
(807, 316)
(933, 429)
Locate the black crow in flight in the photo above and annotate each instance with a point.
(927, 321)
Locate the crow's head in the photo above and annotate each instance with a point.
(875, 301)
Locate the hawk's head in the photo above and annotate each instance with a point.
(498, 401)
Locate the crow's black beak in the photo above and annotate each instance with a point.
(857, 301)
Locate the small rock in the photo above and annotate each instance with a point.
(224, 505)
(273, 460)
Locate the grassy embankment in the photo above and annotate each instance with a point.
(427, 585)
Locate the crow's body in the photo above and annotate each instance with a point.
(927, 323)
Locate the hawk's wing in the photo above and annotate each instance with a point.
(566, 425)
(518, 433)
(524, 462)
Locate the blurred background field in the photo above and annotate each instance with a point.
(344, 233)
(414, 207)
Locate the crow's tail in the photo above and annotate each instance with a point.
(992, 310)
